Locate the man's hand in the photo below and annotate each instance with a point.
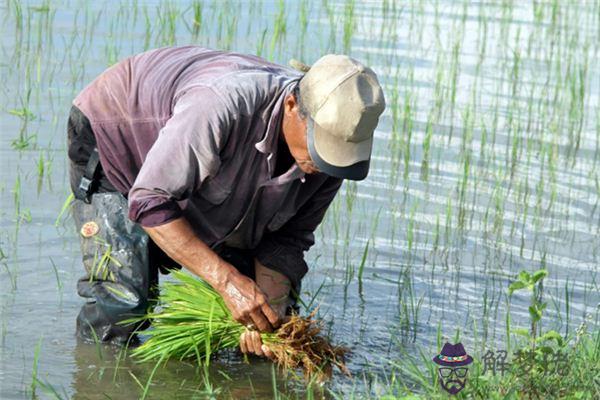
(250, 342)
(276, 287)
(248, 304)
(246, 301)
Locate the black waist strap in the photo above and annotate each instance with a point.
(89, 183)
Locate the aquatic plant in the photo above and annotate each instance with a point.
(193, 321)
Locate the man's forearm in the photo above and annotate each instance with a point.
(244, 299)
(179, 241)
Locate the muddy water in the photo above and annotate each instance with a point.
(485, 163)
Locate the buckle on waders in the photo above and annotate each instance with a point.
(85, 189)
(86, 185)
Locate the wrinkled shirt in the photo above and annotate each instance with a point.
(193, 132)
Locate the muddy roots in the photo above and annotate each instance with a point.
(298, 344)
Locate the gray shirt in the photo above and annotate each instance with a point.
(188, 131)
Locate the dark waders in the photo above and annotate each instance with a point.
(121, 261)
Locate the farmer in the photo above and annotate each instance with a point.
(220, 162)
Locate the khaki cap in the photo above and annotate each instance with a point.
(344, 100)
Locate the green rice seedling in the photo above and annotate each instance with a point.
(448, 221)
(409, 307)
(303, 15)
(149, 381)
(330, 10)
(135, 379)
(97, 342)
(111, 51)
(260, 44)
(34, 373)
(197, 22)
(454, 76)
(395, 145)
(349, 25)
(361, 267)
(313, 297)
(274, 383)
(2, 255)
(12, 277)
(349, 271)
(436, 238)
(17, 196)
(254, 12)
(167, 14)
(18, 14)
(58, 282)
(40, 172)
(24, 140)
(230, 32)
(66, 205)
(426, 149)
(410, 232)
(148, 28)
(24, 216)
(50, 390)
(194, 322)
(279, 29)
(48, 163)
(597, 148)
(462, 191)
(24, 113)
(350, 195)
(407, 131)
(120, 356)
(568, 296)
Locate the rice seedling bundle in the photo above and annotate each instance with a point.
(192, 321)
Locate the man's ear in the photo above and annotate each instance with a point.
(290, 104)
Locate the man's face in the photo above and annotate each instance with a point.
(295, 131)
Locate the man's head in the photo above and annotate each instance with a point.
(330, 118)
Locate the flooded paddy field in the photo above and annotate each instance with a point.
(486, 162)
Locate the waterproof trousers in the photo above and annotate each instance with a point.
(121, 261)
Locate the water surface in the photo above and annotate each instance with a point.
(486, 163)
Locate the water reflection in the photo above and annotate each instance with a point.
(107, 372)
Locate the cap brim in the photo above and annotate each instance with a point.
(358, 154)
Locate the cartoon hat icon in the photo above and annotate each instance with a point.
(453, 355)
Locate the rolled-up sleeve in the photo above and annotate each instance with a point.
(185, 153)
(283, 250)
